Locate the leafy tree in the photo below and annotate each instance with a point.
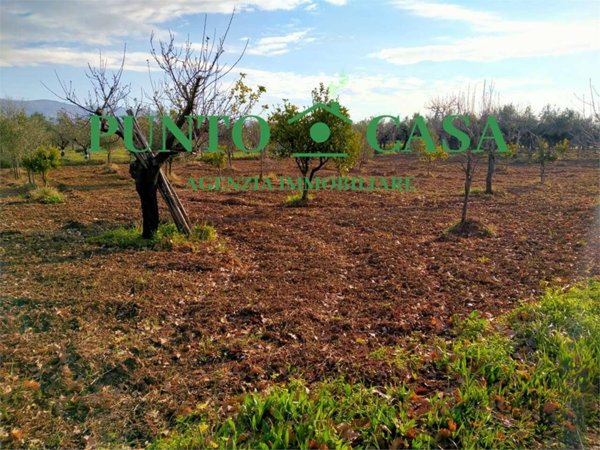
(8, 136)
(555, 125)
(366, 151)
(215, 159)
(13, 129)
(549, 153)
(19, 135)
(296, 137)
(355, 143)
(428, 157)
(41, 161)
(242, 99)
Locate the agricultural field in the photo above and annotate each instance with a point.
(299, 224)
(357, 320)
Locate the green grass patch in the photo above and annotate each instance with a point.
(46, 195)
(77, 158)
(240, 156)
(527, 380)
(167, 237)
(294, 200)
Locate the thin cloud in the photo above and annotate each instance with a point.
(278, 45)
(102, 22)
(498, 39)
(30, 57)
(448, 11)
(370, 95)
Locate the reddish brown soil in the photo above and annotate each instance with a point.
(123, 341)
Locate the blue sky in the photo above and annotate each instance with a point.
(385, 56)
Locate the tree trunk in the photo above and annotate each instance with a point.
(109, 158)
(146, 185)
(490, 172)
(262, 164)
(304, 198)
(230, 157)
(304, 192)
(45, 178)
(468, 177)
(16, 169)
(543, 171)
(147, 163)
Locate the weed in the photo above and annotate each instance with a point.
(296, 199)
(46, 195)
(167, 237)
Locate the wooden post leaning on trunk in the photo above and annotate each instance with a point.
(146, 160)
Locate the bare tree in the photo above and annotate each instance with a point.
(191, 84)
(487, 108)
(461, 103)
(588, 132)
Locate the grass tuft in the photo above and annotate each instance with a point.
(45, 195)
(167, 237)
(295, 200)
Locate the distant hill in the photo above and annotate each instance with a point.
(49, 108)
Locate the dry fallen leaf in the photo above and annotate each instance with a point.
(31, 384)
(16, 434)
(551, 407)
(451, 425)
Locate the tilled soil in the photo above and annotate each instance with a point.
(122, 342)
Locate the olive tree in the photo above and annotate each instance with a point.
(20, 135)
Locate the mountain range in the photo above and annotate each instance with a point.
(49, 108)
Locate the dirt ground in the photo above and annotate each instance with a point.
(122, 342)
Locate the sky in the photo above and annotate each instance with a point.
(378, 56)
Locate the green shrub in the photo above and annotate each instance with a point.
(167, 237)
(215, 159)
(123, 237)
(297, 200)
(204, 233)
(46, 195)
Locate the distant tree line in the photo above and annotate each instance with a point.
(33, 142)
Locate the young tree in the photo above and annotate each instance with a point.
(366, 152)
(428, 157)
(61, 132)
(41, 161)
(216, 159)
(487, 108)
(242, 99)
(319, 132)
(463, 104)
(549, 153)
